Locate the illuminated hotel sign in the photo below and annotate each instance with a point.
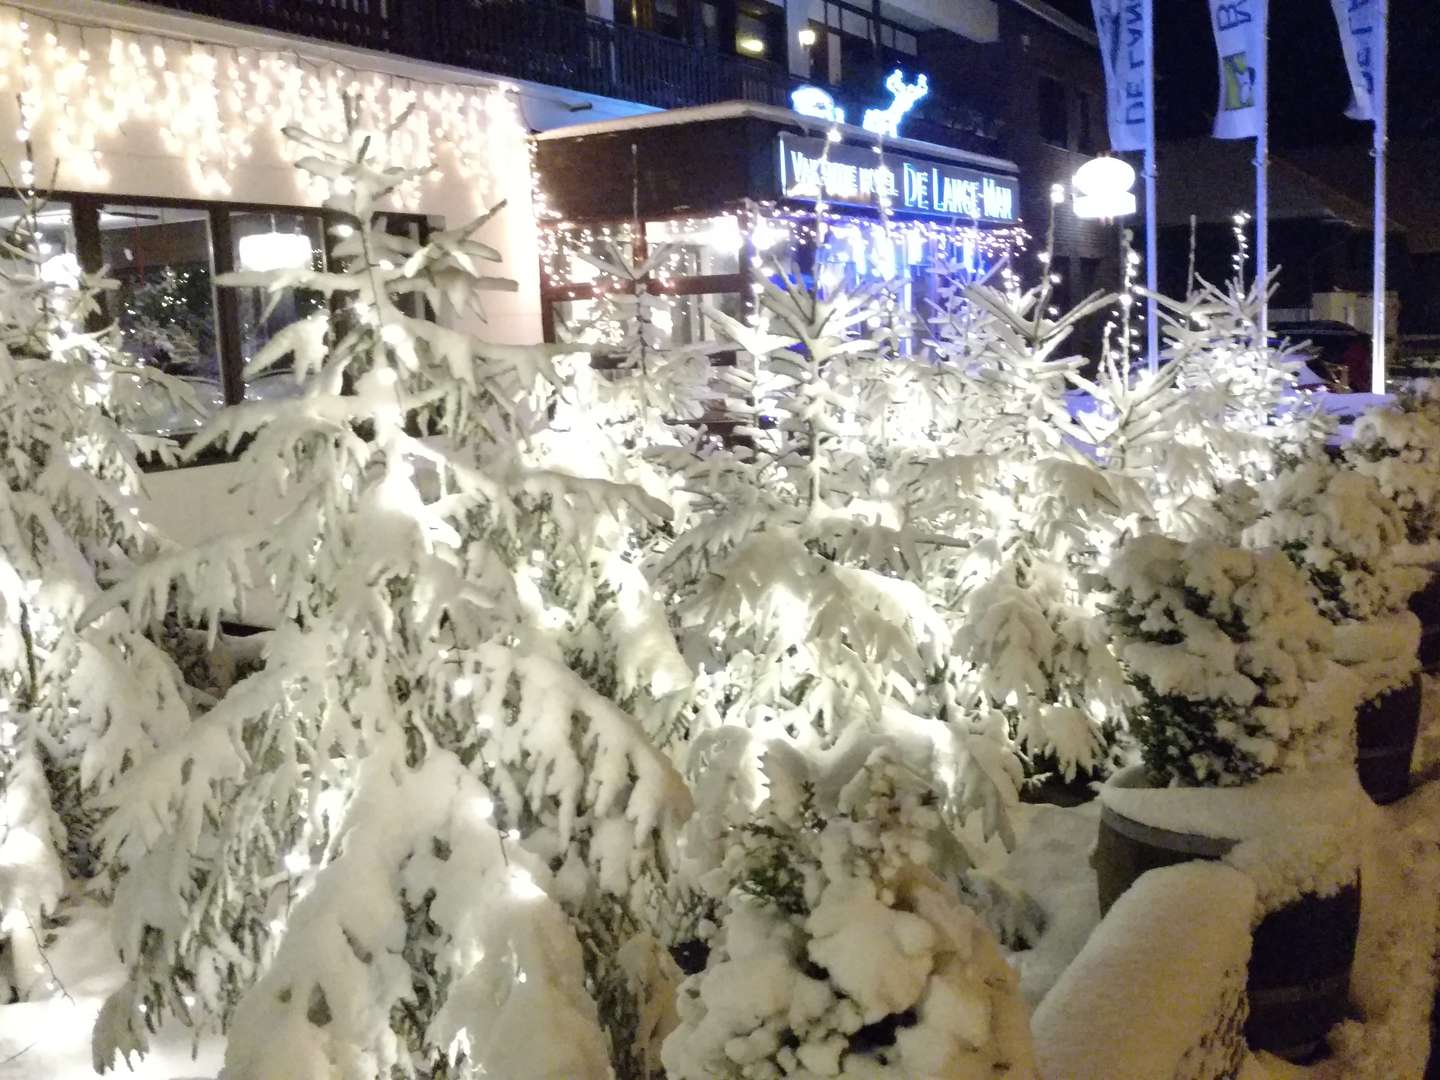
(857, 176)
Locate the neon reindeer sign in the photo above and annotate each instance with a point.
(903, 97)
(813, 101)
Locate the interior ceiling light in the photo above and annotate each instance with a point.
(274, 251)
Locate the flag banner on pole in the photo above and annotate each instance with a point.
(1362, 25)
(1239, 27)
(1121, 28)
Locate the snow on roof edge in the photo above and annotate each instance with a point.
(730, 110)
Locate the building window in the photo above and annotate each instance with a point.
(274, 242)
(165, 301)
(760, 32)
(57, 246)
(165, 257)
(1054, 123)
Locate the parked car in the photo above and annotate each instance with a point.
(1338, 353)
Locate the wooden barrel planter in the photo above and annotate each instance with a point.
(1426, 606)
(1386, 727)
(1299, 977)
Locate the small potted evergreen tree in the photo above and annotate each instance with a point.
(1340, 530)
(840, 952)
(1244, 729)
(1399, 447)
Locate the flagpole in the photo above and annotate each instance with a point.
(1262, 178)
(1380, 106)
(1152, 224)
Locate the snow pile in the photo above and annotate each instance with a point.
(1229, 656)
(841, 954)
(1159, 989)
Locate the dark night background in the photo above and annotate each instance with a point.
(1308, 86)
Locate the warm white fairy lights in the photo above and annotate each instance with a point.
(767, 228)
(85, 93)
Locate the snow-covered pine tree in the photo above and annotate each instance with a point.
(806, 592)
(1031, 650)
(801, 585)
(355, 863)
(80, 702)
(629, 396)
(1247, 412)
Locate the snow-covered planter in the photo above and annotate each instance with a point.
(1245, 719)
(1341, 530)
(1158, 992)
(840, 953)
(1294, 836)
(1231, 660)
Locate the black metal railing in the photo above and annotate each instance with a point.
(372, 24)
(545, 42)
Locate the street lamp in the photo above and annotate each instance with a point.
(1103, 189)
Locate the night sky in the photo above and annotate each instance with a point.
(1308, 86)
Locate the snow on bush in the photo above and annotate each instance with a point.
(352, 863)
(1341, 530)
(1400, 449)
(1158, 992)
(1229, 656)
(840, 953)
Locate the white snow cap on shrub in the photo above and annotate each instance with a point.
(842, 955)
(1228, 653)
(1400, 449)
(1341, 530)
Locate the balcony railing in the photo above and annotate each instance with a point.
(544, 42)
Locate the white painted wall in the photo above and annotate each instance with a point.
(134, 158)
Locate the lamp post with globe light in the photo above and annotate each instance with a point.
(1103, 189)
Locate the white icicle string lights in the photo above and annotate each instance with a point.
(211, 104)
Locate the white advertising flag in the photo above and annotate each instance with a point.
(1239, 27)
(1121, 26)
(1362, 28)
